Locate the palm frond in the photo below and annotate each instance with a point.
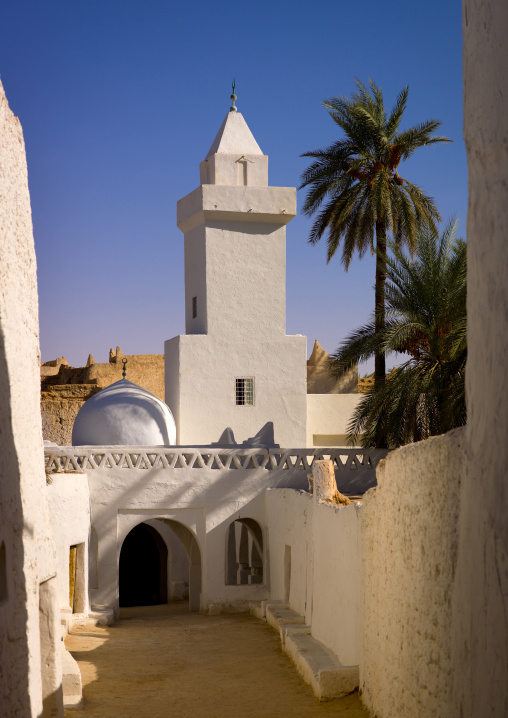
(426, 320)
(393, 122)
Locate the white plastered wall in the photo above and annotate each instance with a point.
(457, 628)
(245, 280)
(30, 667)
(69, 510)
(235, 267)
(328, 416)
(480, 626)
(201, 372)
(204, 501)
(323, 543)
(178, 560)
(409, 549)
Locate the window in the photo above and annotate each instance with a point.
(242, 173)
(194, 307)
(244, 390)
(244, 553)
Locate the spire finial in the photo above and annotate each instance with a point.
(233, 98)
(124, 371)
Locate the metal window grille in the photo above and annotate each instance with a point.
(194, 307)
(244, 390)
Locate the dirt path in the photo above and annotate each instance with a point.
(162, 662)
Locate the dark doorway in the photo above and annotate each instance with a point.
(143, 568)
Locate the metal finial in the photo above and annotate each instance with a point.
(124, 372)
(233, 98)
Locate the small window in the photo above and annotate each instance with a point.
(242, 173)
(194, 307)
(244, 391)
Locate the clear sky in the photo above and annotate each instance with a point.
(120, 101)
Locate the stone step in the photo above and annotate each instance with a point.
(320, 667)
(316, 663)
(71, 679)
(278, 615)
(93, 618)
(72, 700)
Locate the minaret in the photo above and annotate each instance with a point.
(235, 367)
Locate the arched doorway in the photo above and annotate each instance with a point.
(193, 553)
(143, 579)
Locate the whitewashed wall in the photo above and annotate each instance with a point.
(481, 590)
(30, 668)
(409, 549)
(203, 501)
(235, 270)
(69, 511)
(328, 416)
(200, 387)
(205, 490)
(289, 523)
(325, 576)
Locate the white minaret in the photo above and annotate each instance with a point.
(235, 367)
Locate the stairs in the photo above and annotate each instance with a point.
(316, 663)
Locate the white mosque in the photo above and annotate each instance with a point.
(235, 377)
(163, 501)
(217, 375)
(199, 507)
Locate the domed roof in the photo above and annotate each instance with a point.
(124, 414)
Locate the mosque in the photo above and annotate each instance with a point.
(168, 499)
(235, 376)
(217, 375)
(204, 497)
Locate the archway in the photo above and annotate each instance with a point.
(193, 552)
(244, 553)
(143, 579)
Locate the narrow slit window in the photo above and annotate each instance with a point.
(244, 390)
(242, 173)
(194, 307)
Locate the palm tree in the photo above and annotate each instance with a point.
(425, 319)
(355, 186)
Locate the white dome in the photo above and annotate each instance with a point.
(124, 414)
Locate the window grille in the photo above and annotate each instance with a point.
(244, 391)
(194, 307)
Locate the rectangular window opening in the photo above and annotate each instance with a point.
(244, 390)
(194, 307)
(242, 173)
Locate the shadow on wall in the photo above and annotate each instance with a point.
(13, 595)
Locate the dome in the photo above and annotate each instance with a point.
(124, 414)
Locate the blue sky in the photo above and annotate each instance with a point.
(119, 102)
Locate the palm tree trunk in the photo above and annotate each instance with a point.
(379, 360)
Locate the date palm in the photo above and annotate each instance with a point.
(355, 187)
(426, 320)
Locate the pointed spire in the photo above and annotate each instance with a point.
(318, 356)
(234, 138)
